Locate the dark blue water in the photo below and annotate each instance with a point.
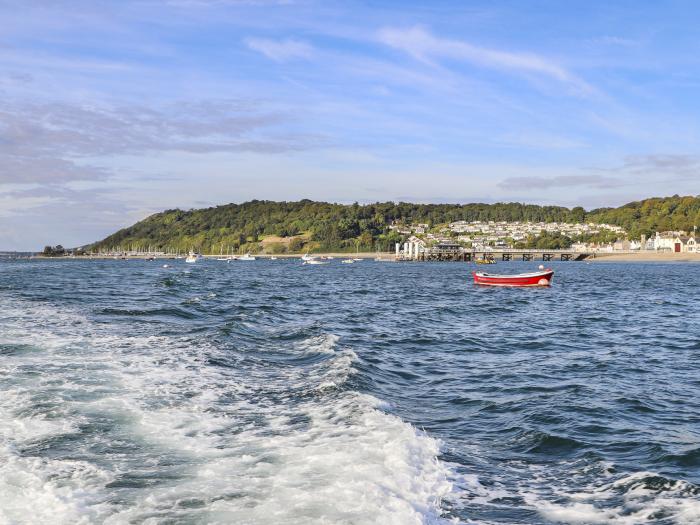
(272, 392)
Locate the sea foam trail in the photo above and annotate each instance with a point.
(99, 426)
(638, 498)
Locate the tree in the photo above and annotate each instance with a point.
(296, 245)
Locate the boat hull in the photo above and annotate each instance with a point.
(543, 278)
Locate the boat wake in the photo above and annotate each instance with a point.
(99, 426)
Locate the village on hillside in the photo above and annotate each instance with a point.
(495, 235)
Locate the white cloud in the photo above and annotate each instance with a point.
(280, 50)
(424, 46)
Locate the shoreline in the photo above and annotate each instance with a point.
(644, 257)
(606, 257)
(362, 255)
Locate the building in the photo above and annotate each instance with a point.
(666, 241)
(683, 244)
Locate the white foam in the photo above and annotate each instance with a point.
(639, 504)
(238, 444)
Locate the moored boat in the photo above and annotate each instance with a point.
(540, 278)
(193, 257)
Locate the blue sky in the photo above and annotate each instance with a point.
(110, 111)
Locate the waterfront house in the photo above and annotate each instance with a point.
(683, 243)
(623, 245)
(666, 241)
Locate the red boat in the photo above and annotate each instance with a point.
(541, 278)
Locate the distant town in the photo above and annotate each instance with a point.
(490, 235)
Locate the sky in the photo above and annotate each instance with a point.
(113, 110)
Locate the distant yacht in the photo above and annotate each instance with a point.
(246, 257)
(348, 261)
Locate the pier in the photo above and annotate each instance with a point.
(457, 253)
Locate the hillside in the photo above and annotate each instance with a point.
(295, 226)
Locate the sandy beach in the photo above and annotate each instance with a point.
(645, 257)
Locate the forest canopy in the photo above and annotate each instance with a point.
(309, 225)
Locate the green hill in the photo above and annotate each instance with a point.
(304, 225)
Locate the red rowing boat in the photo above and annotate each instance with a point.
(541, 278)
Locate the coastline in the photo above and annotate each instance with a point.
(644, 257)
(362, 255)
(605, 257)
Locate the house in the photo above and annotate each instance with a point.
(623, 245)
(666, 241)
(682, 243)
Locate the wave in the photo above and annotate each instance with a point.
(642, 497)
(103, 426)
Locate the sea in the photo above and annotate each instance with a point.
(272, 392)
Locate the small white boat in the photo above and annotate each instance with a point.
(348, 261)
(314, 261)
(191, 258)
(246, 257)
(307, 257)
(273, 258)
(356, 259)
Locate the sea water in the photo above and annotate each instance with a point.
(275, 392)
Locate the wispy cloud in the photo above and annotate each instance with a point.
(562, 181)
(657, 167)
(674, 163)
(424, 46)
(611, 40)
(226, 3)
(280, 50)
(52, 142)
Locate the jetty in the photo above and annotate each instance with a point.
(455, 252)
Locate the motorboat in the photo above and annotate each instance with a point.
(539, 278)
(348, 261)
(308, 257)
(192, 257)
(314, 261)
(246, 257)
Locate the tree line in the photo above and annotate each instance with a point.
(309, 225)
